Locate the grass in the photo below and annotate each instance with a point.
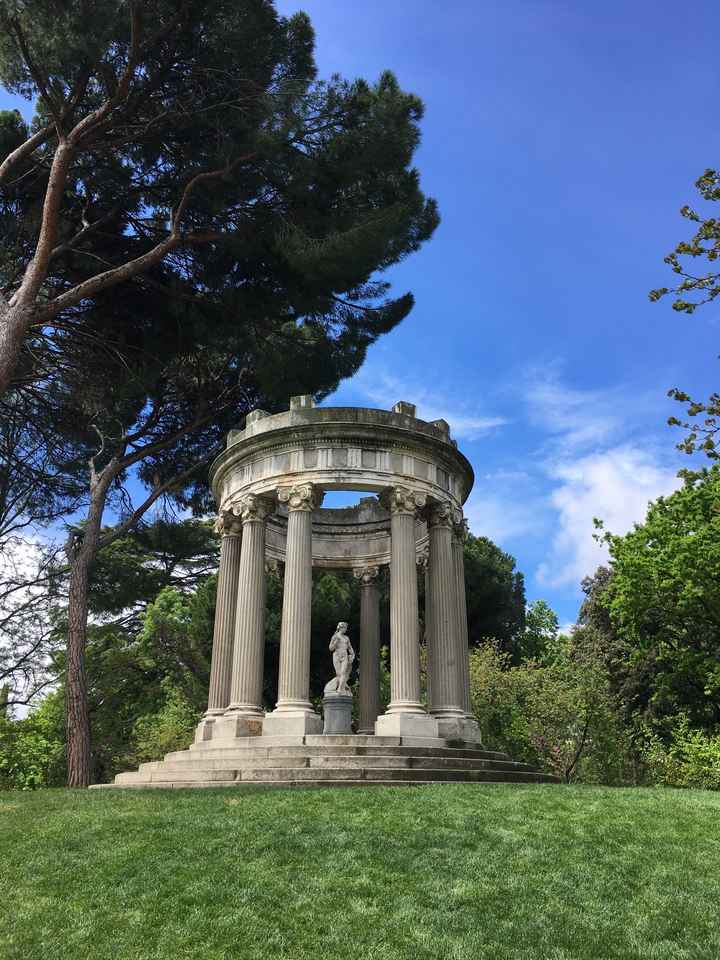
(441, 872)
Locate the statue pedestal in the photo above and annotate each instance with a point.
(337, 710)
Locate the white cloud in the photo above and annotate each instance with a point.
(614, 485)
(385, 389)
(574, 419)
(501, 518)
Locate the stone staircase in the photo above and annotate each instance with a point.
(329, 761)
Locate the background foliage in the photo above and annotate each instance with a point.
(630, 695)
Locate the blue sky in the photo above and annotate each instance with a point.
(560, 140)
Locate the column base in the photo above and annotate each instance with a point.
(406, 725)
(205, 729)
(291, 723)
(459, 728)
(230, 726)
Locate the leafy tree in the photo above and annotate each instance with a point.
(559, 715)
(246, 211)
(132, 570)
(694, 289)
(541, 630)
(147, 164)
(35, 493)
(495, 595)
(171, 728)
(32, 750)
(663, 602)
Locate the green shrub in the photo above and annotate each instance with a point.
(558, 714)
(691, 758)
(171, 728)
(32, 750)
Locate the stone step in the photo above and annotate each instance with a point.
(369, 774)
(241, 755)
(190, 774)
(131, 777)
(385, 762)
(300, 784)
(413, 763)
(275, 769)
(329, 740)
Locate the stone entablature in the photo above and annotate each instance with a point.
(338, 448)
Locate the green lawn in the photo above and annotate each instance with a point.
(460, 871)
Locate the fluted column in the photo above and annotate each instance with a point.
(460, 534)
(247, 676)
(369, 648)
(446, 681)
(293, 713)
(424, 569)
(405, 715)
(470, 728)
(230, 527)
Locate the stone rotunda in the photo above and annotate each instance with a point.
(269, 483)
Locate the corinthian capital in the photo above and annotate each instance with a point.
(302, 496)
(441, 513)
(404, 500)
(460, 527)
(253, 508)
(228, 523)
(366, 575)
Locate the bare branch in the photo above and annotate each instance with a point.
(179, 211)
(24, 150)
(92, 120)
(158, 492)
(109, 278)
(91, 461)
(40, 79)
(82, 233)
(37, 269)
(153, 256)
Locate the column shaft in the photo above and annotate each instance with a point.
(369, 707)
(223, 631)
(446, 684)
(247, 683)
(462, 632)
(404, 648)
(294, 677)
(294, 715)
(429, 648)
(405, 716)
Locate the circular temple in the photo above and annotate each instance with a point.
(340, 448)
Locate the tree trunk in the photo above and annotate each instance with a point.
(14, 324)
(82, 557)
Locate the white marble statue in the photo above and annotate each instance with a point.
(343, 656)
